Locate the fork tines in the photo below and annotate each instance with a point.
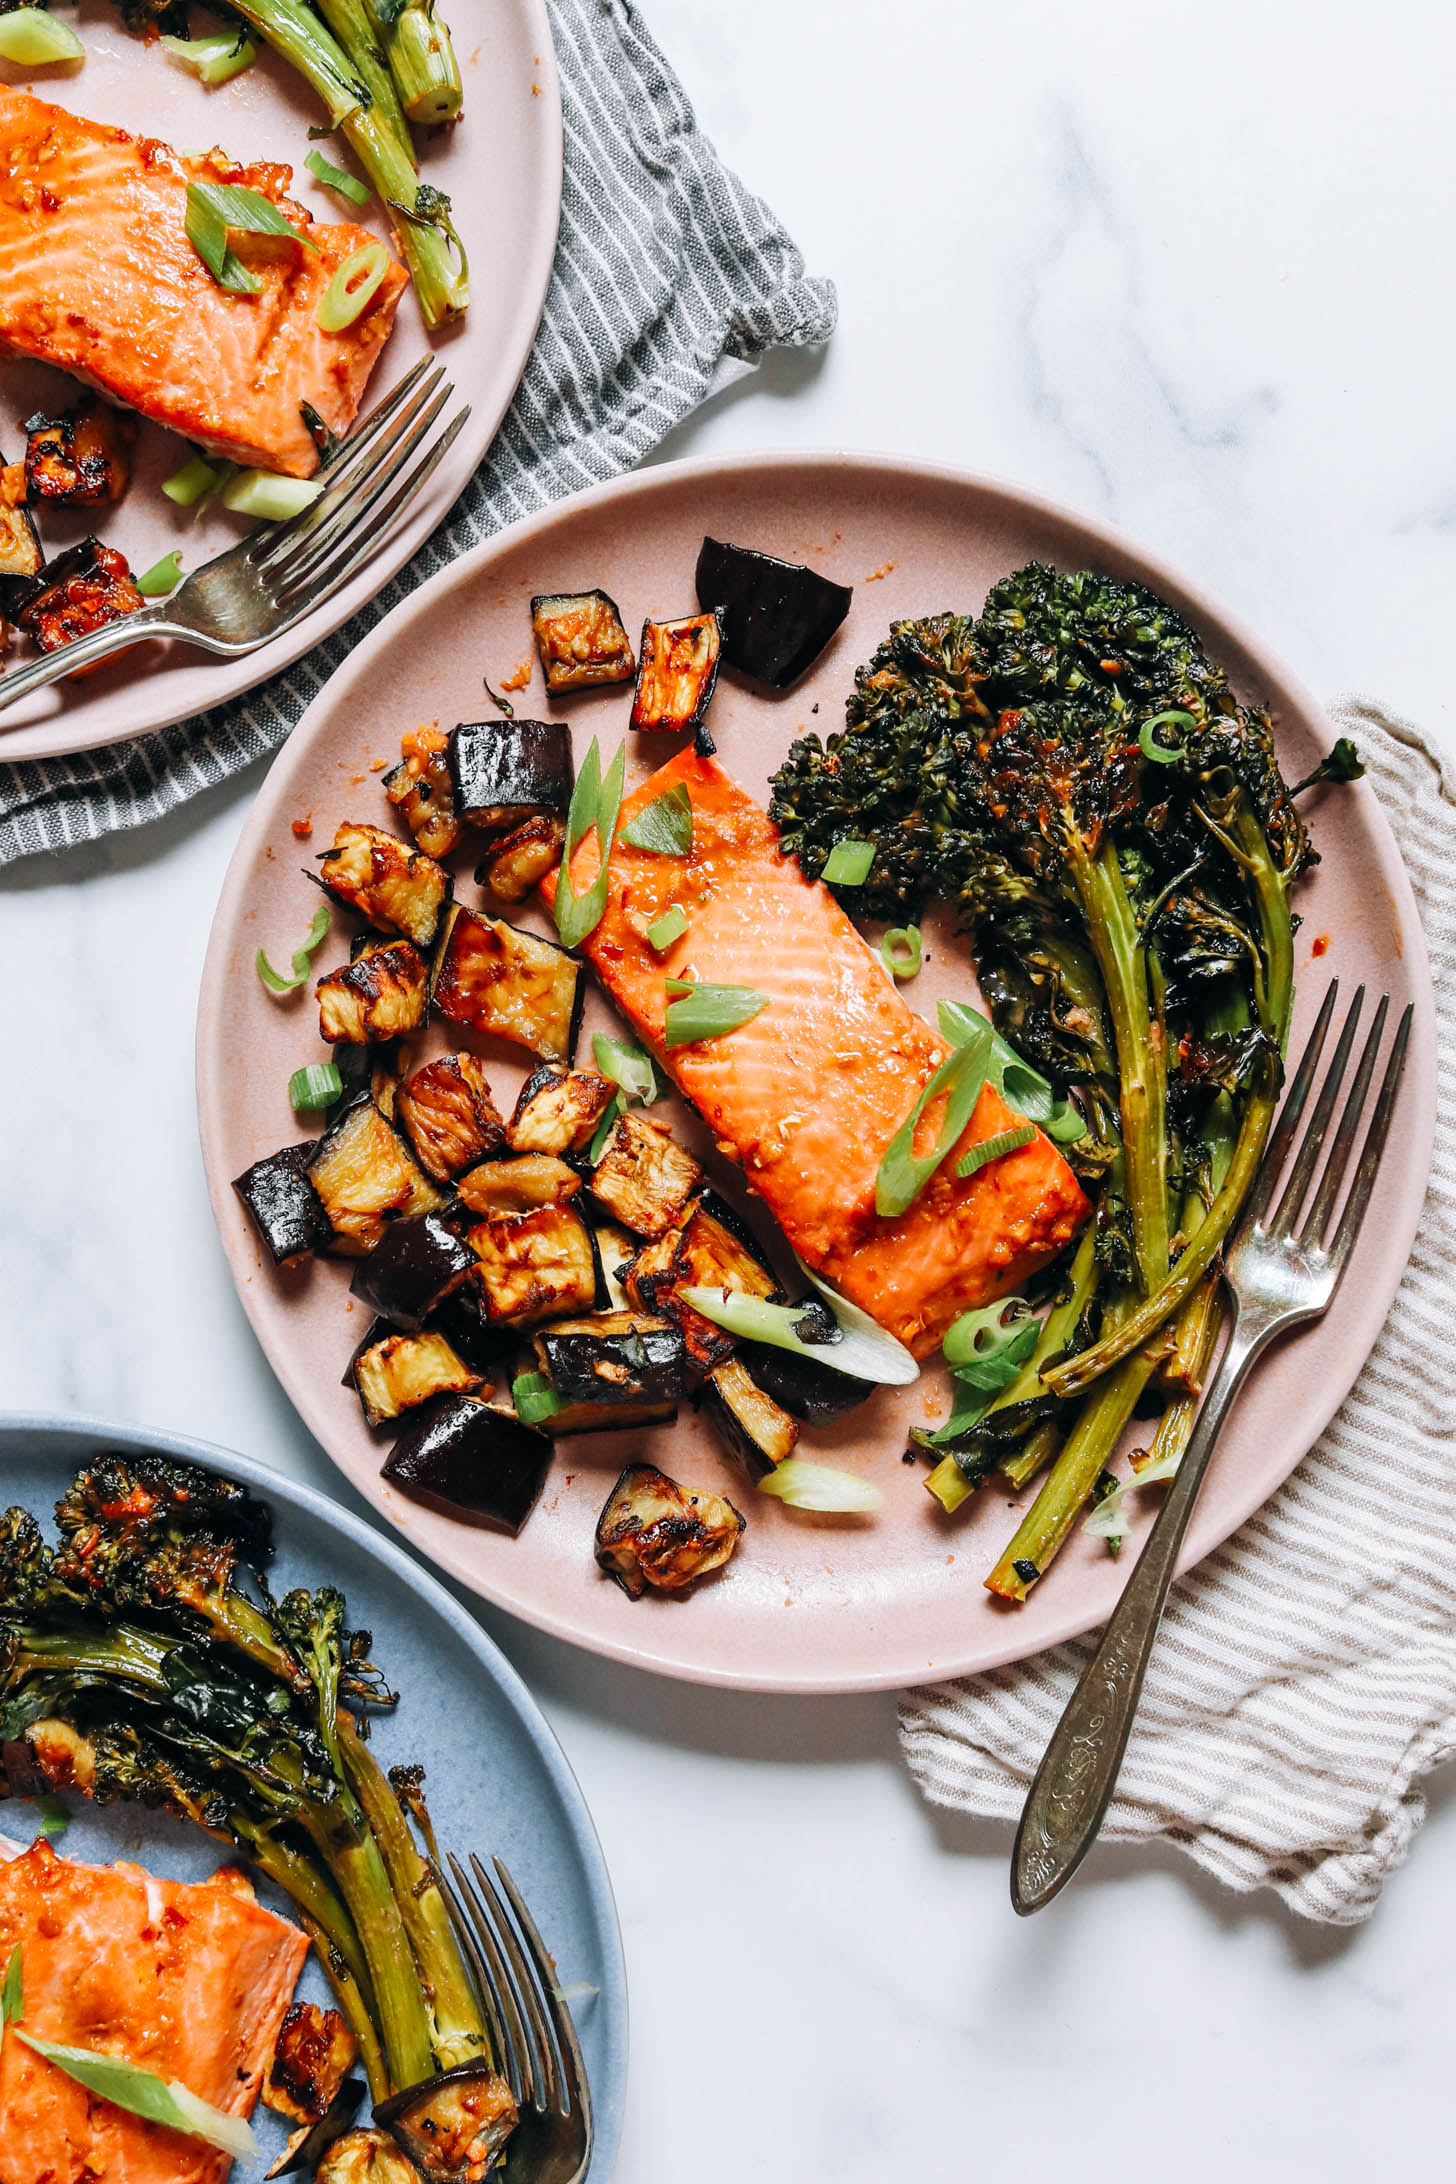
(535, 2040)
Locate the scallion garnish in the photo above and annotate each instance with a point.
(994, 1148)
(663, 932)
(595, 803)
(214, 60)
(217, 209)
(848, 864)
(271, 978)
(353, 288)
(334, 178)
(53, 1818)
(903, 1173)
(900, 951)
(616, 1106)
(1165, 754)
(534, 1398)
(862, 1348)
(707, 1012)
(1112, 1518)
(985, 1352)
(263, 493)
(142, 2093)
(191, 482)
(665, 826)
(817, 1486)
(162, 577)
(33, 39)
(628, 1067)
(315, 1087)
(1021, 1086)
(12, 1993)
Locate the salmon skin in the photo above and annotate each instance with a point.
(97, 277)
(190, 1981)
(807, 1097)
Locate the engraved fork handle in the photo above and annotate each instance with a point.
(130, 629)
(1074, 1783)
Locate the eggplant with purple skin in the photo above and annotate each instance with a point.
(420, 791)
(462, 1316)
(20, 555)
(472, 1461)
(312, 2146)
(581, 640)
(397, 889)
(495, 978)
(286, 1210)
(751, 1424)
(454, 2125)
(503, 772)
(365, 1173)
(82, 590)
(805, 1388)
(677, 674)
(711, 1249)
(614, 1357)
(79, 459)
(414, 1264)
(777, 615)
(381, 994)
(520, 860)
(449, 1117)
(398, 1372)
(557, 1110)
(536, 1266)
(654, 1532)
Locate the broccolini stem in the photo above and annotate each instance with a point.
(357, 33)
(403, 2014)
(1035, 1452)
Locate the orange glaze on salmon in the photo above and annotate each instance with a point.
(97, 276)
(191, 1981)
(807, 1097)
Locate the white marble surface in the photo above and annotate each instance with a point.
(1191, 271)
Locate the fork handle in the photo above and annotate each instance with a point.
(1068, 1799)
(131, 629)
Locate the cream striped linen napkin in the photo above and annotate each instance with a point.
(1286, 1729)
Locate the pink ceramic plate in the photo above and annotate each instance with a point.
(501, 167)
(809, 1603)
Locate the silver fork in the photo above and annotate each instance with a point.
(535, 2040)
(1279, 1271)
(272, 579)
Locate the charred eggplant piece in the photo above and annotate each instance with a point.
(777, 615)
(805, 1388)
(522, 860)
(535, 1266)
(80, 458)
(414, 1264)
(472, 1461)
(504, 772)
(454, 2125)
(614, 1357)
(399, 890)
(558, 1110)
(380, 995)
(364, 1172)
(287, 1211)
(580, 638)
(654, 1532)
(366, 2157)
(403, 1371)
(518, 1186)
(420, 791)
(643, 1176)
(615, 1252)
(20, 554)
(751, 1423)
(80, 591)
(712, 1249)
(314, 2053)
(449, 1116)
(463, 1318)
(497, 979)
(311, 2142)
(677, 674)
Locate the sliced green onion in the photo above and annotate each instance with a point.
(317, 1086)
(54, 1818)
(12, 1994)
(1164, 754)
(272, 979)
(142, 2093)
(323, 170)
(214, 60)
(853, 1320)
(848, 864)
(817, 1486)
(34, 39)
(864, 1351)
(191, 482)
(1022, 1087)
(669, 928)
(217, 209)
(628, 1067)
(903, 1174)
(900, 951)
(616, 1106)
(595, 802)
(263, 493)
(665, 826)
(985, 1355)
(994, 1148)
(353, 288)
(707, 1012)
(162, 577)
(1112, 1518)
(534, 1398)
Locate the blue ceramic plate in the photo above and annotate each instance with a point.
(495, 1775)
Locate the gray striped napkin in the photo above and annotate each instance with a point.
(670, 280)
(1286, 1729)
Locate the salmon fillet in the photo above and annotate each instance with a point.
(807, 1097)
(97, 276)
(191, 1981)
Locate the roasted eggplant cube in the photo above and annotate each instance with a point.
(449, 1116)
(518, 1186)
(654, 1532)
(805, 1388)
(558, 1110)
(314, 2053)
(615, 1251)
(506, 771)
(420, 791)
(614, 1357)
(752, 1425)
(777, 615)
(463, 1318)
(80, 591)
(364, 1172)
(643, 1176)
(80, 458)
(494, 978)
(580, 638)
(20, 554)
(363, 2157)
(286, 1209)
(380, 995)
(471, 1461)
(676, 675)
(396, 888)
(453, 2127)
(536, 1266)
(403, 1371)
(714, 1251)
(415, 1263)
(518, 864)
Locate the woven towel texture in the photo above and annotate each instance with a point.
(669, 277)
(1305, 1679)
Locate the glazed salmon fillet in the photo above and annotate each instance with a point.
(97, 276)
(191, 1981)
(807, 1097)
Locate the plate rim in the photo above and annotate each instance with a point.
(608, 2104)
(1205, 1537)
